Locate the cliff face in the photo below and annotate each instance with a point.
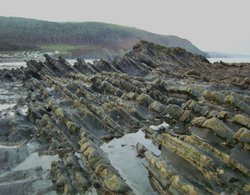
(73, 110)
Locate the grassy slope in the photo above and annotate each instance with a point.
(86, 39)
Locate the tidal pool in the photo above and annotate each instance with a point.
(122, 154)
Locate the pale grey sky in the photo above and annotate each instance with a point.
(211, 25)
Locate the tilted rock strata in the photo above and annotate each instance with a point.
(77, 108)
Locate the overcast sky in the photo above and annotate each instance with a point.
(211, 25)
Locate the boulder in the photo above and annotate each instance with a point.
(230, 99)
(242, 120)
(116, 184)
(242, 135)
(72, 127)
(157, 107)
(213, 113)
(131, 95)
(218, 127)
(243, 106)
(198, 121)
(175, 111)
(247, 188)
(206, 94)
(140, 149)
(59, 113)
(185, 116)
(217, 97)
(222, 114)
(144, 99)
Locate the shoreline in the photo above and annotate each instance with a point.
(3, 59)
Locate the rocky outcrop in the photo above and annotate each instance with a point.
(73, 110)
(12, 75)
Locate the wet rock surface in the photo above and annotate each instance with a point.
(66, 116)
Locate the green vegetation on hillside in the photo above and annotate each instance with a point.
(78, 38)
(63, 49)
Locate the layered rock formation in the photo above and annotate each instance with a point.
(73, 110)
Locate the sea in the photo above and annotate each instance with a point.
(10, 65)
(230, 60)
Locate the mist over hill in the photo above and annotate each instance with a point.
(85, 39)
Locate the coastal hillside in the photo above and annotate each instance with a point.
(86, 39)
